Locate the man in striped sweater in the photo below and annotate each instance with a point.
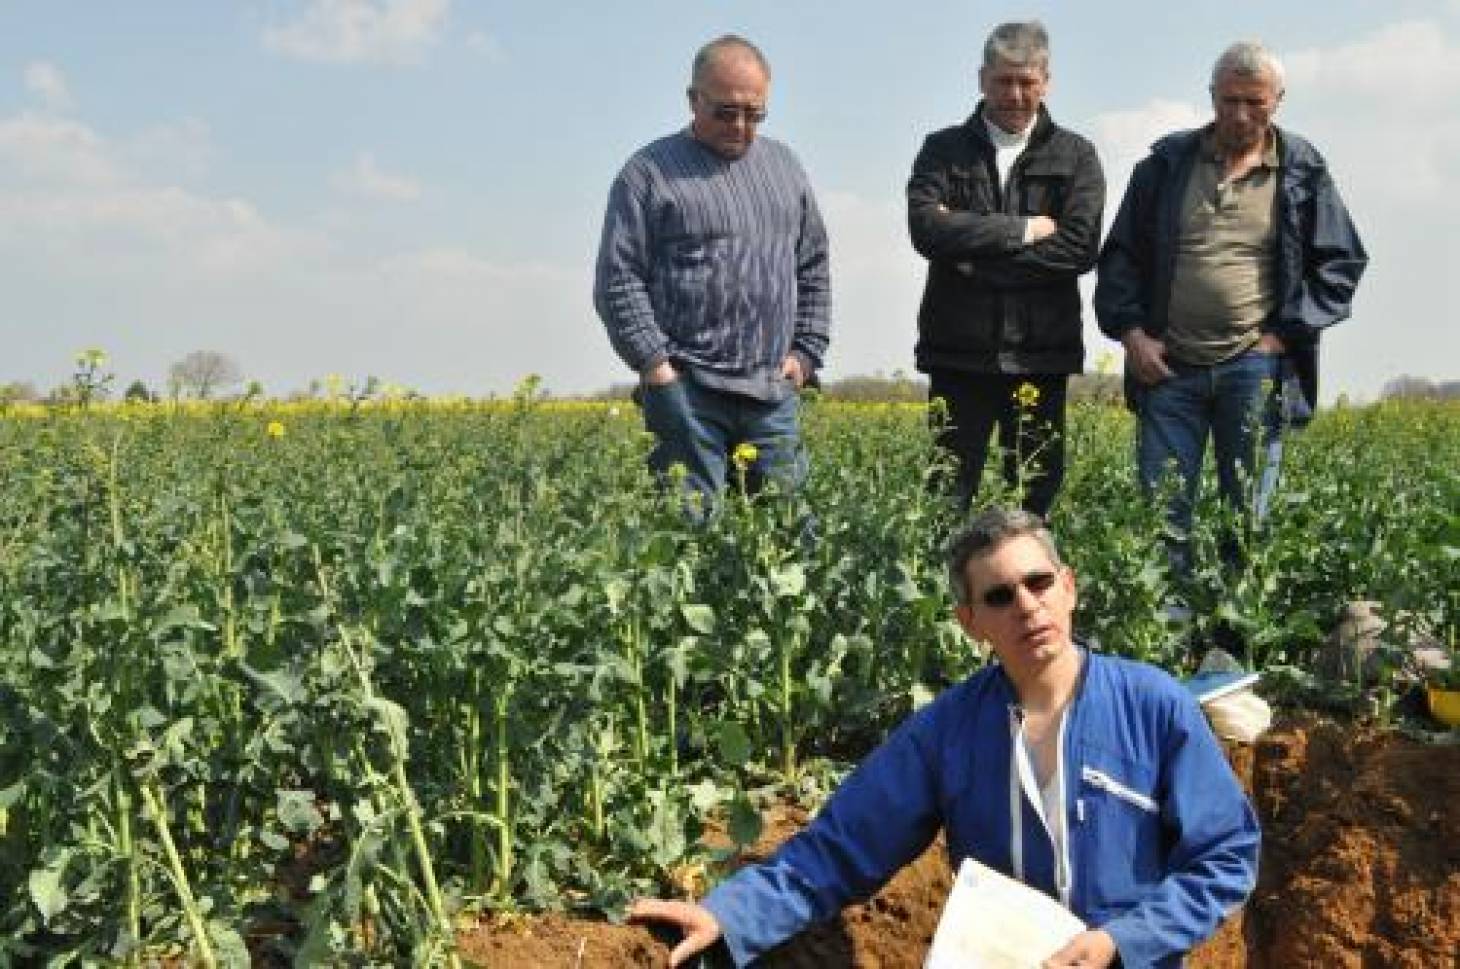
(712, 280)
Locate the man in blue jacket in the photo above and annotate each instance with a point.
(1093, 779)
(1231, 252)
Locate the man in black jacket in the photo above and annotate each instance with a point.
(1006, 208)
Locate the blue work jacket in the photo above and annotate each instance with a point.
(1162, 842)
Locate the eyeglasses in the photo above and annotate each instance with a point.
(1000, 596)
(731, 113)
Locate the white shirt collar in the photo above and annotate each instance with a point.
(1005, 139)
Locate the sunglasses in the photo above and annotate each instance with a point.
(731, 113)
(1000, 596)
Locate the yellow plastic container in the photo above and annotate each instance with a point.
(1445, 705)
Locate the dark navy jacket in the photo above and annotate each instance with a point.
(1162, 843)
(1319, 259)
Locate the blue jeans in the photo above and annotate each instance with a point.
(1236, 403)
(699, 428)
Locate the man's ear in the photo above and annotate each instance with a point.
(963, 612)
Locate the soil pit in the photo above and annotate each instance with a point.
(1360, 869)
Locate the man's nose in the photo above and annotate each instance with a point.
(1026, 600)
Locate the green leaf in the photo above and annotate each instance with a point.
(181, 617)
(9, 796)
(705, 795)
(666, 832)
(701, 618)
(788, 580)
(734, 743)
(744, 822)
(297, 811)
(286, 687)
(393, 720)
(46, 890)
(228, 945)
(273, 840)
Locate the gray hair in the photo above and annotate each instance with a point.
(992, 528)
(1018, 42)
(719, 48)
(1249, 58)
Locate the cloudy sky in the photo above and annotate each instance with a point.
(413, 189)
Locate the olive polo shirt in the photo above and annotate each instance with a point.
(1226, 247)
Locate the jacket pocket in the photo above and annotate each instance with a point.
(1123, 840)
(1103, 781)
(1042, 194)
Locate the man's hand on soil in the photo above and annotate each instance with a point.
(699, 927)
(1094, 949)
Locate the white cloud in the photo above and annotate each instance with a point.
(360, 31)
(70, 198)
(183, 149)
(1388, 103)
(1415, 58)
(42, 149)
(487, 46)
(1124, 137)
(45, 80)
(1382, 111)
(876, 281)
(366, 179)
(447, 263)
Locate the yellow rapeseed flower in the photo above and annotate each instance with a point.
(744, 454)
(275, 429)
(1027, 395)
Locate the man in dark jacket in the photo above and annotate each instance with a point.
(1231, 251)
(1006, 208)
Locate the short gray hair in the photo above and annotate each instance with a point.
(992, 528)
(1018, 42)
(1249, 58)
(710, 54)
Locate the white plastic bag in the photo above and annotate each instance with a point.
(1241, 715)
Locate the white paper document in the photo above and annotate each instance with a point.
(992, 921)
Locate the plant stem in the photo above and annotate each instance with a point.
(788, 726)
(152, 801)
(504, 802)
(132, 892)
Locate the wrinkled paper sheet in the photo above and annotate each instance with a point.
(991, 921)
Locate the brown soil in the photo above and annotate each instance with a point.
(1361, 868)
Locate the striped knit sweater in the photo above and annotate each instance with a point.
(718, 265)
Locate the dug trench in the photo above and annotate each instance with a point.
(1360, 870)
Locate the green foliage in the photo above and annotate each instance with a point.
(379, 665)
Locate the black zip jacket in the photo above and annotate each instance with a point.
(993, 304)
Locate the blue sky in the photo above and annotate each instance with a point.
(413, 189)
